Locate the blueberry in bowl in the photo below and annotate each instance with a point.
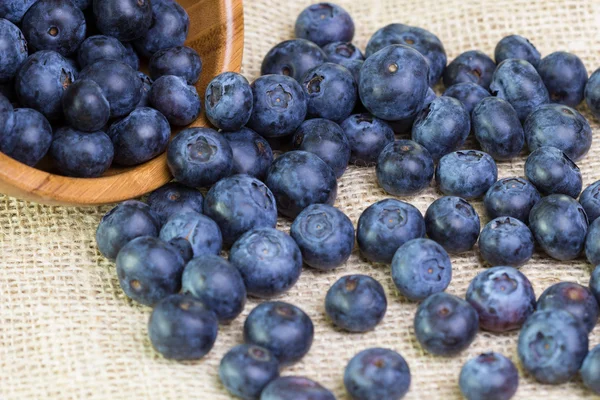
(170, 26)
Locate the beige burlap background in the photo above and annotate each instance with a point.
(67, 330)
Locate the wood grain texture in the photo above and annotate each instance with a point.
(217, 33)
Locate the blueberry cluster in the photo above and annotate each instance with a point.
(320, 98)
(70, 69)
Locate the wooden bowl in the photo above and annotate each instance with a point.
(217, 33)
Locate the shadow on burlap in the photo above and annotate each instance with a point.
(67, 330)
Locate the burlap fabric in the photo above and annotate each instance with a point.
(67, 330)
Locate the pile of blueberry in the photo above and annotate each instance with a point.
(70, 85)
(322, 99)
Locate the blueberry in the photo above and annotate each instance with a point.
(41, 82)
(81, 154)
(181, 328)
(229, 101)
(238, 204)
(122, 224)
(503, 298)
(553, 172)
(506, 241)
(282, 328)
(324, 23)
(377, 373)
(30, 137)
(559, 126)
(592, 243)
(445, 325)
(419, 39)
(56, 25)
(471, 66)
(498, 129)
(13, 10)
(489, 376)
(295, 388)
(119, 83)
(181, 61)
(7, 118)
(354, 66)
(298, 179)
(559, 225)
(327, 140)
(342, 52)
(442, 126)
(199, 157)
(592, 93)
(330, 91)
(517, 82)
(280, 106)
(200, 231)
(217, 284)
(325, 236)
(175, 99)
(385, 226)
(146, 87)
(169, 28)
(252, 154)
(565, 77)
(595, 283)
(183, 247)
(590, 370)
(590, 200)
(149, 269)
(140, 136)
(404, 168)
(246, 370)
(356, 303)
(511, 197)
(172, 198)
(85, 106)
(420, 268)
(269, 260)
(453, 223)
(293, 58)
(574, 298)
(124, 19)
(515, 46)
(552, 346)
(466, 173)
(367, 137)
(394, 82)
(131, 57)
(469, 94)
(13, 50)
(100, 47)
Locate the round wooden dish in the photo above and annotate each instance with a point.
(217, 33)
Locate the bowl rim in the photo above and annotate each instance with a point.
(28, 183)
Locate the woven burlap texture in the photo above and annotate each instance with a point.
(67, 330)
